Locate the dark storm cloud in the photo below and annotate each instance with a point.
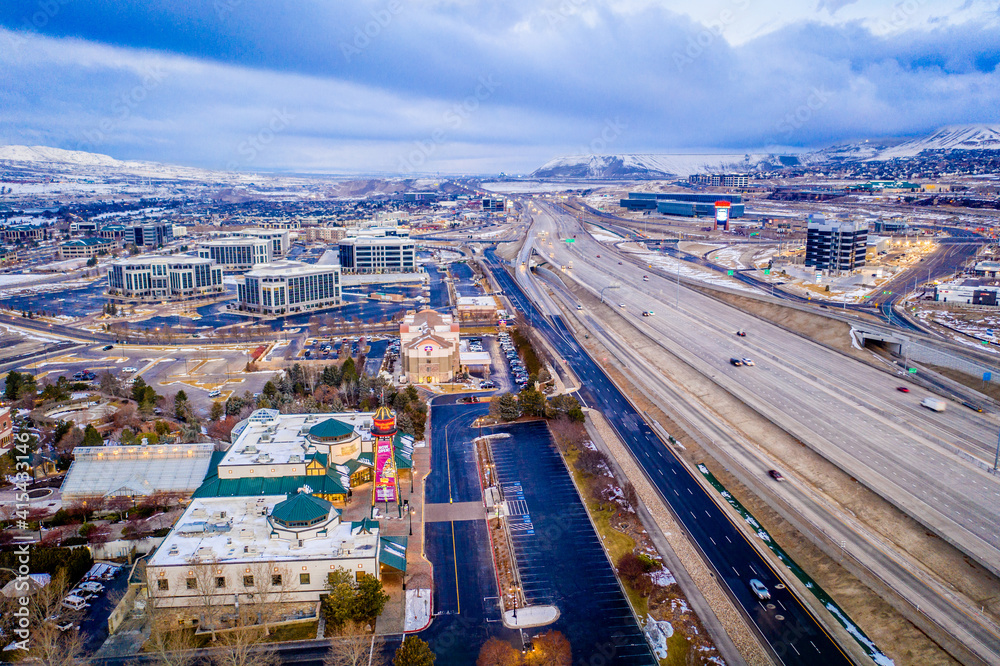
(364, 85)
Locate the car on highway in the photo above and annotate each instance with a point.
(129, 368)
(741, 333)
(598, 256)
(759, 589)
(648, 313)
(736, 361)
(621, 305)
(747, 361)
(107, 347)
(645, 278)
(619, 263)
(902, 389)
(776, 475)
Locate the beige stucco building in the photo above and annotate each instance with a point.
(428, 341)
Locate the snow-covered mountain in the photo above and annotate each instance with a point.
(45, 154)
(643, 166)
(953, 137)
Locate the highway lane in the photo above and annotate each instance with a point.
(843, 408)
(957, 617)
(787, 627)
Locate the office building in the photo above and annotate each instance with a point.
(494, 205)
(277, 237)
(429, 344)
(23, 232)
(720, 179)
(164, 278)
(835, 245)
(237, 254)
(285, 287)
(153, 234)
(388, 254)
(420, 197)
(84, 248)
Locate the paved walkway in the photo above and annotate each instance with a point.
(443, 513)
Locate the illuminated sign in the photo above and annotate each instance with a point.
(428, 348)
(385, 471)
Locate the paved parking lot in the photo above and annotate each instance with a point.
(559, 556)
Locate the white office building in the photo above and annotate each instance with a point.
(277, 237)
(162, 278)
(237, 254)
(286, 287)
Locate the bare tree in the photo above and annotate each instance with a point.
(354, 646)
(243, 644)
(269, 588)
(49, 645)
(205, 584)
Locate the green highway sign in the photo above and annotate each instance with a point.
(912, 371)
(570, 240)
(730, 273)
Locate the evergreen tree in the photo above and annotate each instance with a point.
(369, 600)
(413, 652)
(91, 437)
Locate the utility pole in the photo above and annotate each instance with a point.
(996, 458)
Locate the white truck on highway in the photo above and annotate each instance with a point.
(937, 404)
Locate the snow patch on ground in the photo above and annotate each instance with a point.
(418, 609)
(662, 577)
(687, 271)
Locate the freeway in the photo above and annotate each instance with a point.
(792, 634)
(848, 411)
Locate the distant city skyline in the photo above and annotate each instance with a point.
(393, 86)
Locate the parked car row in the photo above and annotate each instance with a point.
(517, 369)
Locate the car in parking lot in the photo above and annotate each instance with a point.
(215, 393)
(108, 347)
(776, 475)
(487, 385)
(759, 589)
(129, 368)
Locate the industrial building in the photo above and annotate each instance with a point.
(285, 287)
(237, 254)
(429, 343)
(369, 255)
(967, 292)
(163, 278)
(836, 245)
(720, 179)
(84, 248)
(683, 203)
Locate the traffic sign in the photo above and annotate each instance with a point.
(570, 240)
(987, 376)
(912, 371)
(729, 273)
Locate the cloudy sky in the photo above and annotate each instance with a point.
(424, 86)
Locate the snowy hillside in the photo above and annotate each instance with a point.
(953, 137)
(46, 154)
(641, 166)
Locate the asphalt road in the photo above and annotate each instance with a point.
(847, 410)
(785, 625)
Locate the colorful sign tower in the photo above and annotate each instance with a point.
(385, 488)
(722, 214)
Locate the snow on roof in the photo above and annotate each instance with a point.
(236, 529)
(277, 438)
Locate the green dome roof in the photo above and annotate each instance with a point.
(301, 510)
(331, 429)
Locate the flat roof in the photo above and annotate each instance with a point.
(231, 530)
(286, 437)
(288, 267)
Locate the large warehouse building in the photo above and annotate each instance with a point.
(683, 203)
